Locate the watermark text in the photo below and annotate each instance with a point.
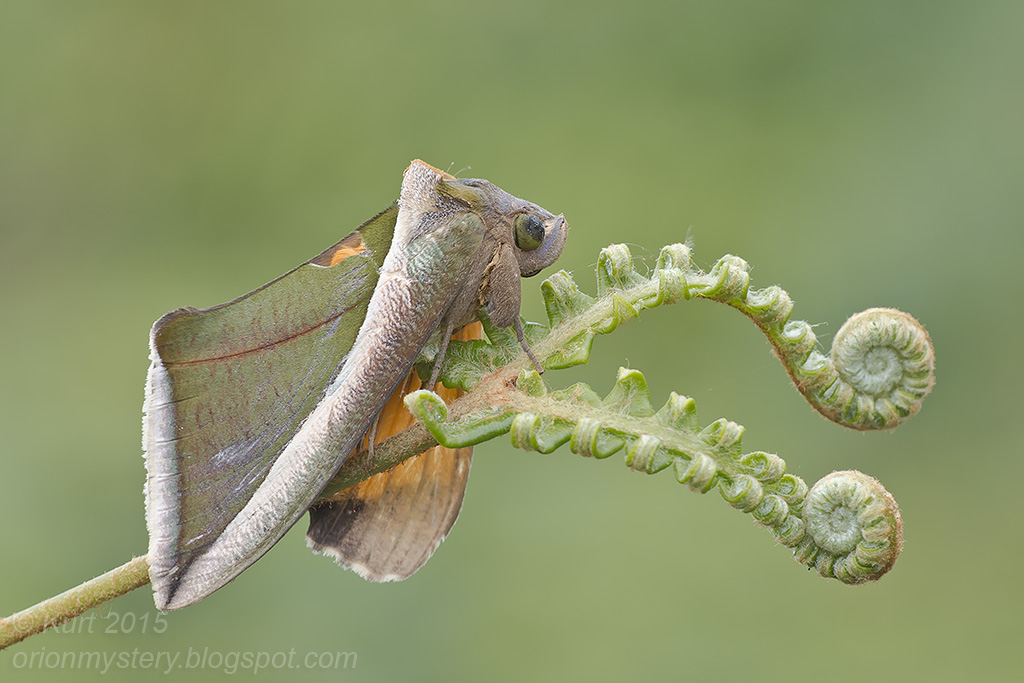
(166, 661)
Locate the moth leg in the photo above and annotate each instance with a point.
(372, 435)
(505, 295)
(445, 338)
(526, 347)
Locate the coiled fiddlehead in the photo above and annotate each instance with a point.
(854, 528)
(880, 368)
(847, 527)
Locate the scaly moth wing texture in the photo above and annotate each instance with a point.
(230, 385)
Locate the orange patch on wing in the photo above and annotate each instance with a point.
(343, 253)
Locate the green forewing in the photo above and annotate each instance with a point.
(243, 376)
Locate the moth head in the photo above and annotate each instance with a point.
(536, 235)
(539, 237)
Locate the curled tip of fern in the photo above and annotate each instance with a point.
(854, 530)
(885, 365)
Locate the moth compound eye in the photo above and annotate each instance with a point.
(529, 231)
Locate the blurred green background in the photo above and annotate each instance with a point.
(154, 155)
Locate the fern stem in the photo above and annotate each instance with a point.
(71, 603)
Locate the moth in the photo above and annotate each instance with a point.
(252, 406)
